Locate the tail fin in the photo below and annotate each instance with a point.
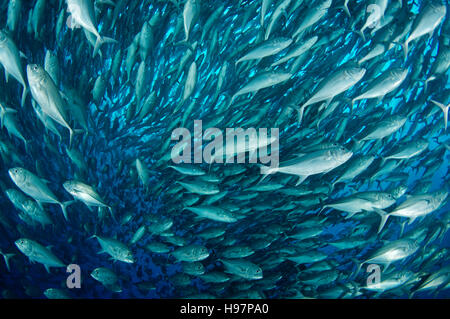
(345, 7)
(444, 109)
(301, 179)
(357, 144)
(112, 214)
(404, 47)
(64, 208)
(24, 96)
(384, 217)
(102, 40)
(3, 112)
(7, 257)
(361, 34)
(73, 132)
(322, 208)
(267, 170)
(301, 111)
(425, 84)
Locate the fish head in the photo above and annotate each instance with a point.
(256, 272)
(69, 186)
(422, 144)
(438, 8)
(128, 257)
(341, 154)
(95, 273)
(398, 73)
(387, 200)
(325, 4)
(399, 191)
(24, 245)
(35, 73)
(399, 120)
(355, 74)
(18, 175)
(201, 251)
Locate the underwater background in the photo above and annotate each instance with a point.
(126, 100)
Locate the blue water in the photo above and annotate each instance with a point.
(113, 143)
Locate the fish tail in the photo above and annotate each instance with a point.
(322, 208)
(112, 213)
(64, 206)
(267, 170)
(232, 99)
(444, 109)
(101, 40)
(24, 95)
(404, 47)
(346, 10)
(361, 34)
(26, 145)
(70, 136)
(384, 217)
(2, 114)
(301, 111)
(73, 132)
(425, 84)
(357, 144)
(7, 257)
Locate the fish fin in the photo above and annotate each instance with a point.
(301, 111)
(402, 228)
(444, 109)
(350, 215)
(47, 268)
(73, 132)
(301, 179)
(4, 111)
(24, 96)
(112, 213)
(345, 8)
(102, 40)
(411, 220)
(40, 205)
(267, 170)
(361, 34)
(64, 208)
(323, 207)
(425, 83)
(7, 257)
(384, 217)
(404, 47)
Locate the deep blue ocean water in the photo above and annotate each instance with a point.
(113, 143)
